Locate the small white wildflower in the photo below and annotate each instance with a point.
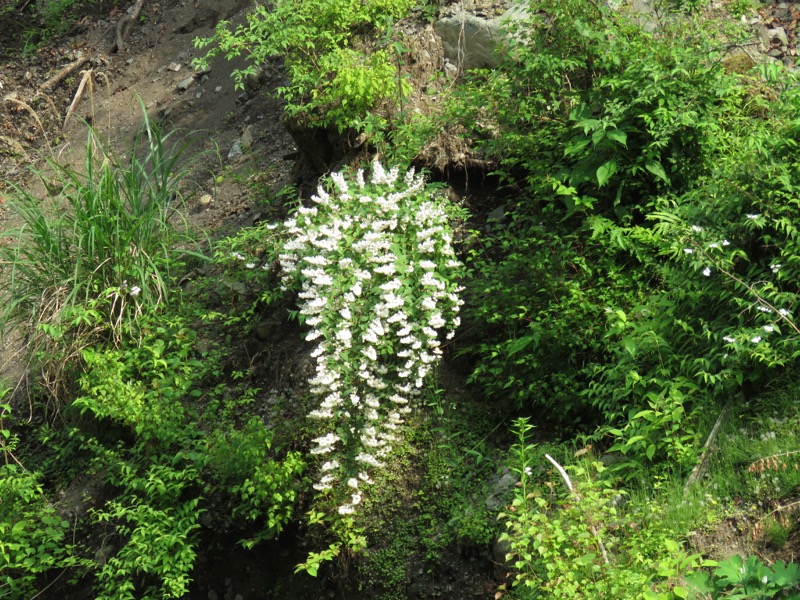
(752, 216)
(726, 243)
(756, 339)
(764, 309)
(688, 251)
(353, 482)
(528, 471)
(729, 339)
(237, 256)
(713, 245)
(769, 328)
(346, 509)
(697, 228)
(135, 291)
(783, 312)
(707, 272)
(775, 268)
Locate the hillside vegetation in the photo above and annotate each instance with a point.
(569, 380)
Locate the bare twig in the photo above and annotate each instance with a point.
(702, 466)
(63, 73)
(561, 471)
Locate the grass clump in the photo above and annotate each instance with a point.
(103, 250)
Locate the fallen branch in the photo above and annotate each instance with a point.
(702, 466)
(63, 74)
(125, 26)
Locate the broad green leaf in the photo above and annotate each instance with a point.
(680, 592)
(785, 574)
(657, 169)
(651, 451)
(575, 147)
(606, 172)
(618, 136)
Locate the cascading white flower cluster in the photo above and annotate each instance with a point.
(378, 276)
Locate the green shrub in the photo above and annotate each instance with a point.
(34, 539)
(581, 543)
(330, 81)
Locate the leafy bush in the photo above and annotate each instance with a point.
(646, 267)
(33, 537)
(330, 80)
(582, 544)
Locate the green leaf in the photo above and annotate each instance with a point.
(785, 574)
(650, 452)
(520, 344)
(657, 169)
(618, 136)
(575, 147)
(680, 592)
(605, 172)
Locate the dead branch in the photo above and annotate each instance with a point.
(63, 74)
(702, 466)
(87, 79)
(125, 26)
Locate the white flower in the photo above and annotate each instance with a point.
(764, 309)
(688, 251)
(346, 509)
(707, 272)
(135, 291)
(726, 243)
(697, 228)
(353, 482)
(775, 268)
(756, 339)
(783, 312)
(769, 328)
(752, 216)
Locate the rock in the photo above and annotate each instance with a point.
(778, 35)
(218, 89)
(500, 489)
(185, 84)
(471, 42)
(205, 200)
(173, 66)
(247, 138)
(497, 217)
(236, 150)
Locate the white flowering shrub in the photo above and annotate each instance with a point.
(377, 274)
